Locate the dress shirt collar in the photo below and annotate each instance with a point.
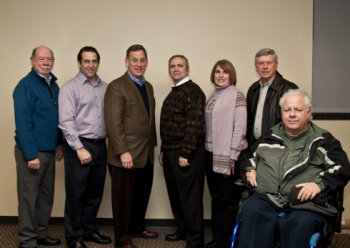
(47, 81)
(267, 84)
(82, 79)
(185, 80)
(137, 81)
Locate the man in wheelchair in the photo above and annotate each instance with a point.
(291, 169)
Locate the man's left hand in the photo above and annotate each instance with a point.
(160, 158)
(308, 191)
(183, 162)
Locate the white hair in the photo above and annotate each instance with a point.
(297, 92)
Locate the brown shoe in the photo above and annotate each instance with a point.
(147, 235)
(126, 246)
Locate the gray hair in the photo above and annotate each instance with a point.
(265, 52)
(34, 51)
(297, 92)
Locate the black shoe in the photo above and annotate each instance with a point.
(79, 244)
(48, 241)
(211, 244)
(98, 238)
(27, 246)
(173, 237)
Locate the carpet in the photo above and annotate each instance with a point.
(9, 239)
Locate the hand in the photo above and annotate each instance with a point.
(183, 162)
(34, 164)
(251, 178)
(126, 159)
(84, 156)
(232, 167)
(308, 191)
(59, 152)
(160, 158)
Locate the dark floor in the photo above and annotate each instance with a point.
(8, 238)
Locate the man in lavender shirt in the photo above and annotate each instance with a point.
(81, 119)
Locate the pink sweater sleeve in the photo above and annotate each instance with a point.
(239, 128)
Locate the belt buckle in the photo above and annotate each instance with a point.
(277, 196)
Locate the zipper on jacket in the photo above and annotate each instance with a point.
(50, 91)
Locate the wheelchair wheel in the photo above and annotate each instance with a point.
(328, 244)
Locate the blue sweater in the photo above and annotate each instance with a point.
(36, 115)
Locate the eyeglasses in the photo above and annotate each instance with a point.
(266, 63)
(136, 61)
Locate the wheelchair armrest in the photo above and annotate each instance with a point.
(245, 186)
(241, 183)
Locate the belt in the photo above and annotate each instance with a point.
(95, 141)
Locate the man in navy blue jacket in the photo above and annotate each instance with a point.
(38, 144)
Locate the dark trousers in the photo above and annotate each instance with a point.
(225, 197)
(35, 189)
(185, 187)
(259, 215)
(84, 190)
(131, 189)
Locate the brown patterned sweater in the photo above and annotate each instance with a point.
(182, 119)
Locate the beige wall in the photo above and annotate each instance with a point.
(203, 30)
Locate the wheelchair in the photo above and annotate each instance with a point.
(320, 239)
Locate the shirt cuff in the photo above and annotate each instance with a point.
(75, 145)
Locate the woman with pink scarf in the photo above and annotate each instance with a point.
(225, 121)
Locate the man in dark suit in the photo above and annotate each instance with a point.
(130, 123)
(263, 96)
